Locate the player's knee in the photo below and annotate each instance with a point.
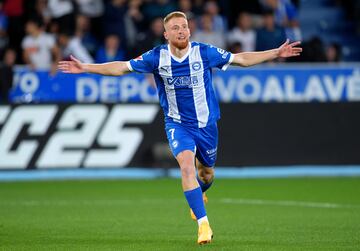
(206, 175)
(187, 171)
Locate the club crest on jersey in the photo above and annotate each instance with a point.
(175, 143)
(196, 66)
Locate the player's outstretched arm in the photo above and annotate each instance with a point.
(252, 58)
(115, 68)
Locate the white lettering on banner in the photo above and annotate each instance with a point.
(4, 112)
(77, 130)
(108, 90)
(38, 119)
(112, 89)
(129, 87)
(125, 141)
(334, 88)
(225, 92)
(273, 90)
(290, 93)
(29, 82)
(353, 90)
(245, 84)
(323, 88)
(56, 153)
(86, 90)
(314, 90)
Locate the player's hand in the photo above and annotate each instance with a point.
(289, 50)
(73, 66)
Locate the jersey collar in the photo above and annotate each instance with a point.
(179, 60)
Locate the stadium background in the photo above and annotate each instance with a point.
(297, 119)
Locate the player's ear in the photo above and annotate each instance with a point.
(165, 35)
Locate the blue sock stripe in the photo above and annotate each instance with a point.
(204, 186)
(195, 201)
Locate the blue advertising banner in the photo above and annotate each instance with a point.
(267, 83)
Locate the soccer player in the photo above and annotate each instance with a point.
(182, 71)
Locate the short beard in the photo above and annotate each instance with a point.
(181, 44)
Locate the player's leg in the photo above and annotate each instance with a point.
(205, 175)
(194, 195)
(206, 154)
(182, 146)
(190, 185)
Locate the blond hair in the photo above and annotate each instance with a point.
(174, 14)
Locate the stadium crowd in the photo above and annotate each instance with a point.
(39, 33)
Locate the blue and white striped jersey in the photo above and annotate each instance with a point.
(185, 84)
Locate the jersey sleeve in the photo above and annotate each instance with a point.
(219, 58)
(143, 63)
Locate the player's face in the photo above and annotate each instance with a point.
(177, 32)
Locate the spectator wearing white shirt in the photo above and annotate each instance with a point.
(243, 33)
(71, 45)
(39, 48)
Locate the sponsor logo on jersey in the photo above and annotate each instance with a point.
(183, 81)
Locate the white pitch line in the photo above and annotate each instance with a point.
(287, 203)
(110, 202)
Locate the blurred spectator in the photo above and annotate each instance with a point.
(192, 25)
(14, 10)
(208, 34)
(63, 14)
(91, 8)
(333, 52)
(39, 48)
(6, 73)
(134, 22)
(158, 8)
(71, 45)
(243, 33)
(94, 10)
(41, 10)
(154, 37)
(110, 51)
(313, 51)
(270, 35)
(3, 33)
(219, 22)
(84, 34)
(198, 7)
(286, 15)
(135, 13)
(236, 47)
(115, 10)
(186, 7)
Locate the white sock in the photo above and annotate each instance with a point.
(202, 219)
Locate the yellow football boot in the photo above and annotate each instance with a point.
(205, 233)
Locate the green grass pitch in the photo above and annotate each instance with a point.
(246, 214)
